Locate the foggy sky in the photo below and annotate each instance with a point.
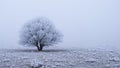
(84, 23)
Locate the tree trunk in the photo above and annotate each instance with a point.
(39, 46)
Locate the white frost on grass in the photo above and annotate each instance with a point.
(115, 59)
(59, 59)
(91, 60)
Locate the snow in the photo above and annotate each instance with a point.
(83, 58)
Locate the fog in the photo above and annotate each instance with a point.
(84, 23)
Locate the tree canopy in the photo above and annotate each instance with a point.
(39, 32)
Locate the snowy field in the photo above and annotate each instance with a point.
(83, 58)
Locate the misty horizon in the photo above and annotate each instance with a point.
(84, 24)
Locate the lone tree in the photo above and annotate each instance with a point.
(39, 32)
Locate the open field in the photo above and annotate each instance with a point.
(83, 58)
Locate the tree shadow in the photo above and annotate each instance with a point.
(54, 50)
(34, 50)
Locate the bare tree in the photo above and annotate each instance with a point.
(39, 32)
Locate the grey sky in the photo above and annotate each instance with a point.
(84, 23)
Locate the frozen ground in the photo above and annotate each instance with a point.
(28, 58)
